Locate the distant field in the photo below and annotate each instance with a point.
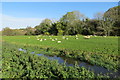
(94, 44)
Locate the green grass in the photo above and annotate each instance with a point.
(94, 44)
(101, 51)
(17, 64)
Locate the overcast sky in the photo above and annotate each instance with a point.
(23, 14)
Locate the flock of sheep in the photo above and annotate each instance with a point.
(64, 37)
(55, 39)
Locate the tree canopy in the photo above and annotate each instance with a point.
(73, 23)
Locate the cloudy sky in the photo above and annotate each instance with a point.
(23, 14)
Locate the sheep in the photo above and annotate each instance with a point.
(59, 41)
(66, 38)
(41, 40)
(63, 37)
(76, 35)
(45, 39)
(87, 37)
(53, 40)
(77, 38)
(38, 39)
(91, 35)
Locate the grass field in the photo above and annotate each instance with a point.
(100, 51)
(94, 44)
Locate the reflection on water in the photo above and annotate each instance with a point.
(32, 52)
(20, 49)
(71, 62)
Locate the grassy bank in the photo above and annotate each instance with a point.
(102, 51)
(17, 64)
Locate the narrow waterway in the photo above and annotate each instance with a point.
(71, 62)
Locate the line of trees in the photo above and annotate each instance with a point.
(73, 23)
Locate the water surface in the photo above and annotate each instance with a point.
(71, 62)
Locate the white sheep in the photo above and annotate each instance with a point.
(76, 35)
(66, 38)
(53, 40)
(91, 35)
(77, 38)
(41, 40)
(63, 37)
(45, 39)
(59, 41)
(87, 37)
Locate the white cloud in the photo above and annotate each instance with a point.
(14, 22)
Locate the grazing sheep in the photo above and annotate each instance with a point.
(45, 39)
(87, 37)
(66, 38)
(77, 38)
(63, 37)
(91, 35)
(59, 41)
(53, 40)
(41, 40)
(76, 35)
